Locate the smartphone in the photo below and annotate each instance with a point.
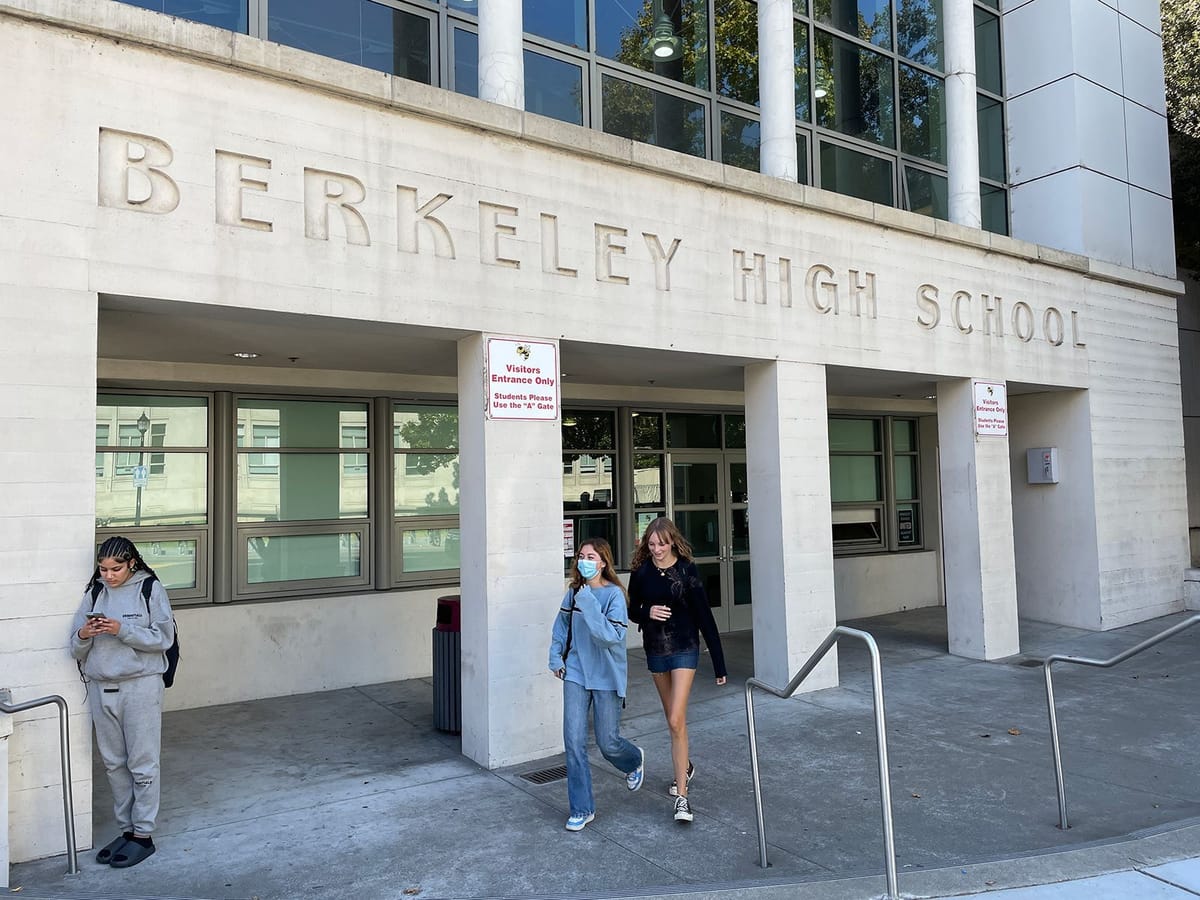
(95, 615)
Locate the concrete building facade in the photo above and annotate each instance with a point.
(330, 343)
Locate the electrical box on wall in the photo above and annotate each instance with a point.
(1043, 465)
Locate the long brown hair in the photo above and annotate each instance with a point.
(608, 573)
(666, 531)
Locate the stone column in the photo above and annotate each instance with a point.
(777, 89)
(5, 731)
(791, 560)
(978, 555)
(501, 63)
(512, 574)
(962, 119)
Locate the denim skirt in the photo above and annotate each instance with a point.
(689, 659)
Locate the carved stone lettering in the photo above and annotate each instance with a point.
(410, 218)
(231, 183)
(1022, 321)
(927, 300)
(550, 261)
(131, 173)
(606, 248)
(956, 303)
(819, 283)
(491, 230)
(662, 259)
(323, 190)
(746, 275)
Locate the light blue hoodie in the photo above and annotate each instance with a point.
(596, 621)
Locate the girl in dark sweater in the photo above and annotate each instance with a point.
(667, 599)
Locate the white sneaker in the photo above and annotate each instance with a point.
(633, 780)
(576, 823)
(683, 811)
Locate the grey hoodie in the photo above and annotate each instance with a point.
(138, 648)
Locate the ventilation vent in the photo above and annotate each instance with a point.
(545, 776)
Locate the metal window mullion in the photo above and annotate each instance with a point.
(223, 491)
(889, 486)
(380, 459)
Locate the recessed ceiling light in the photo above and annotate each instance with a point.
(245, 354)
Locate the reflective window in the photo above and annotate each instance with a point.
(230, 14)
(666, 37)
(653, 117)
(994, 208)
(176, 494)
(356, 31)
(586, 430)
(868, 20)
(466, 62)
(693, 430)
(987, 52)
(553, 88)
(857, 174)
(922, 115)
(648, 479)
(928, 193)
(735, 432)
(303, 557)
(430, 550)
(919, 32)
(647, 431)
(564, 21)
(857, 86)
(739, 141)
(800, 46)
(991, 139)
(737, 50)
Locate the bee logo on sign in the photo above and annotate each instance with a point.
(522, 380)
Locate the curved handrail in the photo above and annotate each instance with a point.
(885, 787)
(1048, 663)
(64, 740)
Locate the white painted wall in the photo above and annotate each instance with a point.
(1054, 525)
(876, 584)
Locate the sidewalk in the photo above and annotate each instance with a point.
(352, 793)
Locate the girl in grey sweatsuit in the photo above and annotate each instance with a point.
(121, 655)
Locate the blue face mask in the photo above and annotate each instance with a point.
(588, 568)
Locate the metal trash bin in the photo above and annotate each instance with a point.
(447, 666)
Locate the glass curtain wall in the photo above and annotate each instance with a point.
(683, 74)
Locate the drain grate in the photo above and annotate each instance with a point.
(1031, 663)
(545, 776)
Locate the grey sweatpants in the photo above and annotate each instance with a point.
(128, 720)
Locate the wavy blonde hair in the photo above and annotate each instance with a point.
(667, 531)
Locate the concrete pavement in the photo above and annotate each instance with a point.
(353, 793)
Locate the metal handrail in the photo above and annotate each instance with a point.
(1098, 663)
(64, 742)
(885, 788)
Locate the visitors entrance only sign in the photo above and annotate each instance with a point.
(522, 379)
(991, 408)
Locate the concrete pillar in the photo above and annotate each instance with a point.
(512, 574)
(791, 566)
(5, 731)
(501, 63)
(777, 89)
(977, 530)
(962, 118)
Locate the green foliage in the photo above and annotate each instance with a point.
(1181, 52)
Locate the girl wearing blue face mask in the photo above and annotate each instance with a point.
(587, 652)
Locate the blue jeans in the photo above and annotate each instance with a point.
(606, 720)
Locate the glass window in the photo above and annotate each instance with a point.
(429, 550)
(737, 50)
(857, 85)
(180, 421)
(564, 21)
(855, 479)
(735, 432)
(856, 174)
(904, 435)
(274, 558)
(739, 141)
(694, 482)
(627, 31)
(466, 62)
(230, 14)
(647, 431)
(176, 495)
(653, 117)
(800, 46)
(553, 88)
(928, 194)
(987, 51)
(868, 20)
(991, 139)
(588, 482)
(648, 479)
(853, 435)
(356, 31)
(425, 493)
(694, 430)
(802, 159)
(922, 115)
(919, 32)
(994, 207)
(586, 430)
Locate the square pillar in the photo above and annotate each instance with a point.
(791, 529)
(977, 530)
(512, 574)
(5, 731)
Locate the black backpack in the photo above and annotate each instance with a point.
(172, 652)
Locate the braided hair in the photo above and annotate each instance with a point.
(122, 549)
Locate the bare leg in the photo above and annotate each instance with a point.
(674, 689)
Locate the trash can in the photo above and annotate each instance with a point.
(447, 666)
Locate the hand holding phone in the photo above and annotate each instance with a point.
(93, 616)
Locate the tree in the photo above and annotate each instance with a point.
(1181, 51)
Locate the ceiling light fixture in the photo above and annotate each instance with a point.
(245, 354)
(665, 45)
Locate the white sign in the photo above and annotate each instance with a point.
(141, 476)
(522, 379)
(568, 538)
(991, 408)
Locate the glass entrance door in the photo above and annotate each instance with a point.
(709, 504)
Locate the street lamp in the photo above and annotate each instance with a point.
(143, 425)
